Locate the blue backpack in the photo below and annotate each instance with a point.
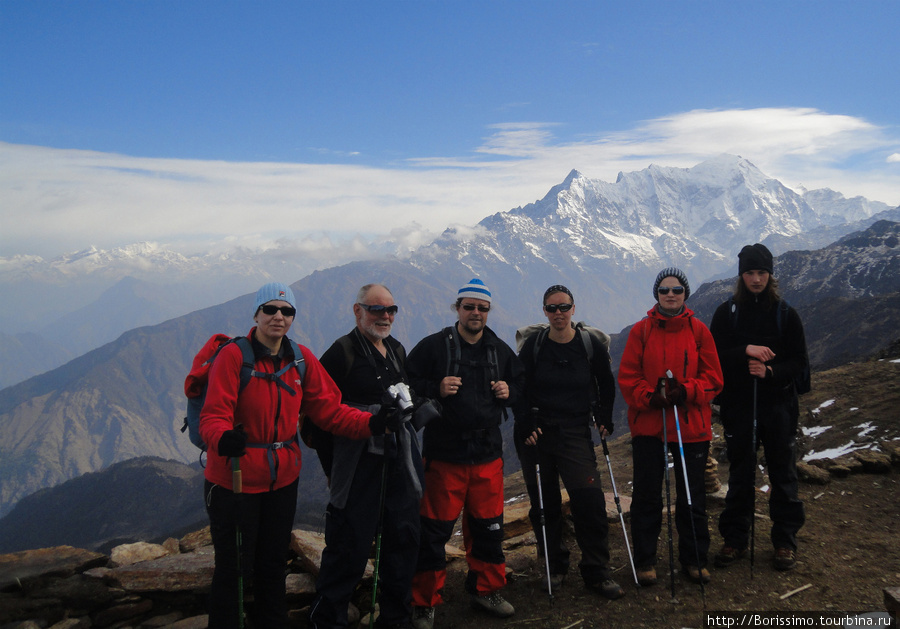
(197, 381)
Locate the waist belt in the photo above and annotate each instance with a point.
(470, 435)
(270, 455)
(564, 420)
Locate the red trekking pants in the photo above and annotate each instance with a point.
(477, 491)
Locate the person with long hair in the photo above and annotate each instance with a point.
(762, 348)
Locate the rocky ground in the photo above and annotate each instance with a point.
(849, 558)
(849, 549)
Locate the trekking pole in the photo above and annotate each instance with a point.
(687, 492)
(612, 481)
(668, 507)
(537, 471)
(237, 485)
(378, 531)
(753, 510)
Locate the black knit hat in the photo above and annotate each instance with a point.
(672, 272)
(755, 257)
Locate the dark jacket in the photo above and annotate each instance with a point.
(755, 322)
(563, 385)
(468, 430)
(362, 383)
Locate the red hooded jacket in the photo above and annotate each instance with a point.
(270, 414)
(685, 346)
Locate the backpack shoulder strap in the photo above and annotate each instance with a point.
(346, 344)
(781, 314)
(248, 360)
(299, 362)
(732, 312)
(539, 341)
(645, 330)
(453, 350)
(586, 339)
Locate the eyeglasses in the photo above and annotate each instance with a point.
(270, 310)
(379, 310)
(471, 307)
(664, 290)
(551, 308)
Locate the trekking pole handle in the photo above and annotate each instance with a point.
(237, 482)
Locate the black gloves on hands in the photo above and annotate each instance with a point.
(233, 443)
(668, 393)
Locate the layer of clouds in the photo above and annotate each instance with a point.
(56, 201)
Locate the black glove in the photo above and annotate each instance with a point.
(676, 393)
(526, 424)
(658, 397)
(386, 417)
(233, 442)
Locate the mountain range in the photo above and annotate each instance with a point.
(605, 241)
(858, 320)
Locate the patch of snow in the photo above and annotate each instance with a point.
(814, 431)
(854, 408)
(824, 404)
(867, 427)
(833, 453)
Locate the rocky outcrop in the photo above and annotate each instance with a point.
(146, 586)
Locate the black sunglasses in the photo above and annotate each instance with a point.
(270, 310)
(551, 308)
(664, 290)
(471, 307)
(380, 310)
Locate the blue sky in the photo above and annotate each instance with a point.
(208, 124)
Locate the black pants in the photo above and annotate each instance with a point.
(776, 430)
(348, 537)
(567, 453)
(265, 520)
(647, 500)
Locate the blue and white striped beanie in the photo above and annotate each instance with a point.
(272, 291)
(475, 289)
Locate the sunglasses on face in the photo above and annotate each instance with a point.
(551, 308)
(380, 310)
(471, 307)
(270, 310)
(676, 290)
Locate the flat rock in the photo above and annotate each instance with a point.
(874, 462)
(59, 561)
(812, 474)
(309, 546)
(195, 540)
(174, 573)
(129, 554)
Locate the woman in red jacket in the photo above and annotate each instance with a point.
(670, 365)
(257, 426)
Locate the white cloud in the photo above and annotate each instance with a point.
(56, 200)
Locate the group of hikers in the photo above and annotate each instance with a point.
(365, 403)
